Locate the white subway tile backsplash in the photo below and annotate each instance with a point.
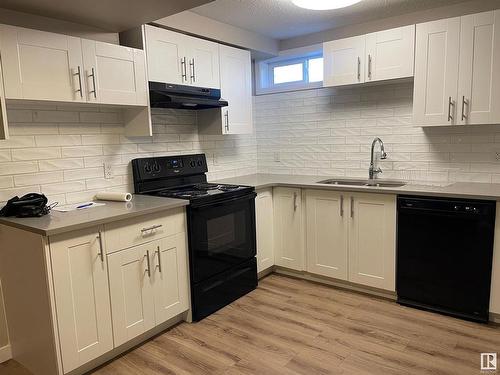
(38, 153)
(37, 178)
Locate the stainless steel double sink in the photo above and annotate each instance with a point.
(368, 183)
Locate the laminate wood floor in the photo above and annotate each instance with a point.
(291, 326)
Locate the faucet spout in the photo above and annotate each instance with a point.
(372, 171)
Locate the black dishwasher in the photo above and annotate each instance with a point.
(444, 255)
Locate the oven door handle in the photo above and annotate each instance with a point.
(225, 201)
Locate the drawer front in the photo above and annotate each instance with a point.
(126, 233)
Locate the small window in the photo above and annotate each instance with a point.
(290, 74)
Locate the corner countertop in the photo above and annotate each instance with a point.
(61, 222)
(470, 190)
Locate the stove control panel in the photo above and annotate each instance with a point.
(169, 166)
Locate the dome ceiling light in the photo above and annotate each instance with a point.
(324, 4)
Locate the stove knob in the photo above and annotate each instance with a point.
(192, 163)
(200, 163)
(156, 167)
(147, 168)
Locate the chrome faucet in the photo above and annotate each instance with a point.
(372, 172)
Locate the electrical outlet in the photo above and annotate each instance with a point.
(277, 157)
(108, 171)
(497, 155)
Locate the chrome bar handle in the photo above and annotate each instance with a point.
(341, 206)
(159, 258)
(148, 270)
(101, 247)
(359, 68)
(352, 207)
(94, 91)
(79, 74)
(151, 228)
(295, 201)
(450, 103)
(226, 118)
(464, 102)
(183, 69)
(369, 66)
(191, 69)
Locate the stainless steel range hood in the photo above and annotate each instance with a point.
(166, 95)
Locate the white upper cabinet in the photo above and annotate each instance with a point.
(166, 53)
(236, 88)
(114, 74)
(390, 54)
(436, 72)
(479, 70)
(457, 71)
(181, 59)
(81, 289)
(344, 62)
(38, 65)
(203, 63)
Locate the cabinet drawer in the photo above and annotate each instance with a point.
(126, 233)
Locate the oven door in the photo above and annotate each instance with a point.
(221, 235)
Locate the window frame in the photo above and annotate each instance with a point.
(264, 71)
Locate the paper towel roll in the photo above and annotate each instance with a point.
(113, 196)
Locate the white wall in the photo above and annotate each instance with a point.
(329, 132)
(60, 150)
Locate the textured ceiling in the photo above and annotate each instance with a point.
(281, 19)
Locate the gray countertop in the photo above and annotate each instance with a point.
(61, 222)
(471, 190)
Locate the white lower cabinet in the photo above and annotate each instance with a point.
(372, 240)
(326, 232)
(148, 286)
(81, 292)
(288, 227)
(170, 278)
(352, 237)
(131, 291)
(264, 217)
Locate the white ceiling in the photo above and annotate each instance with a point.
(281, 19)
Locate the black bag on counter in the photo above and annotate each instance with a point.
(29, 205)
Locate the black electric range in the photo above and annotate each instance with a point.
(221, 227)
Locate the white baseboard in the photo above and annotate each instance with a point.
(5, 353)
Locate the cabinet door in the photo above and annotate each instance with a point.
(344, 61)
(166, 55)
(236, 88)
(131, 290)
(436, 72)
(4, 125)
(372, 240)
(41, 66)
(326, 233)
(390, 54)
(171, 285)
(479, 76)
(114, 74)
(203, 63)
(265, 232)
(289, 240)
(82, 297)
